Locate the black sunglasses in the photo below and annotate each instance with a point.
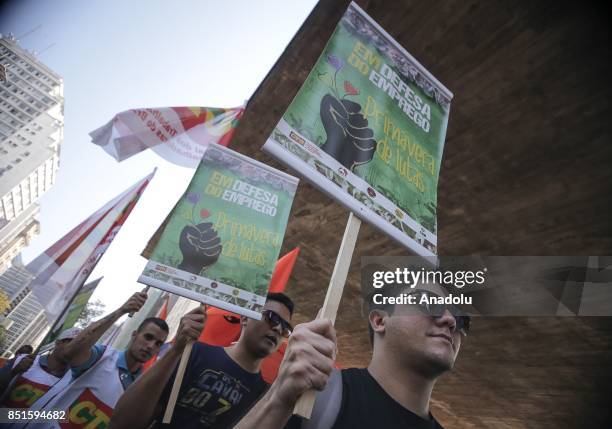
(274, 319)
(437, 310)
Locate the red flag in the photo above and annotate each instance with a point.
(63, 268)
(163, 311)
(178, 134)
(222, 327)
(282, 271)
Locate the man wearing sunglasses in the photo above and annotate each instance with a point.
(220, 384)
(413, 345)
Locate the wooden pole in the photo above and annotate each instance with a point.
(176, 387)
(304, 405)
(178, 380)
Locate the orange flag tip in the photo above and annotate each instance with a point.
(282, 271)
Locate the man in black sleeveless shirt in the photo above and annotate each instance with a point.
(413, 344)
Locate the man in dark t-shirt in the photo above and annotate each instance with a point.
(413, 345)
(215, 390)
(219, 385)
(363, 404)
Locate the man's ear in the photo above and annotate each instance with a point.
(378, 320)
(134, 333)
(243, 321)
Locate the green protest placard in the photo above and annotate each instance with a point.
(368, 127)
(224, 236)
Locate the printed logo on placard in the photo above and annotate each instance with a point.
(297, 138)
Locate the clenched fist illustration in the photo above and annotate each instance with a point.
(349, 140)
(200, 246)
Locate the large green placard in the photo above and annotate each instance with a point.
(224, 236)
(368, 127)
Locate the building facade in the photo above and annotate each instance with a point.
(24, 320)
(31, 131)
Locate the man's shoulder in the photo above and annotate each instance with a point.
(98, 351)
(216, 358)
(200, 347)
(363, 386)
(206, 354)
(354, 371)
(355, 374)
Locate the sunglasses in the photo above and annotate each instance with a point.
(274, 320)
(437, 310)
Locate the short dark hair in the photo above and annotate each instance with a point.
(282, 298)
(160, 323)
(26, 349)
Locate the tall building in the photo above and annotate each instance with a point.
(31, 131)
(24, 321)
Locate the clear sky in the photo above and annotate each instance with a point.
(117, 55)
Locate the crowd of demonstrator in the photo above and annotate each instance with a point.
(96, 386)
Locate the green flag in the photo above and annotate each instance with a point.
(74, 311)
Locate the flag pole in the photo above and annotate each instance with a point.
(304, 405)
(176, 387)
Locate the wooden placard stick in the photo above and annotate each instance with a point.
(178, 380)
(304, 405)
(176, 387)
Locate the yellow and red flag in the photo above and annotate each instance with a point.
(178, 134)
(63, 268)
